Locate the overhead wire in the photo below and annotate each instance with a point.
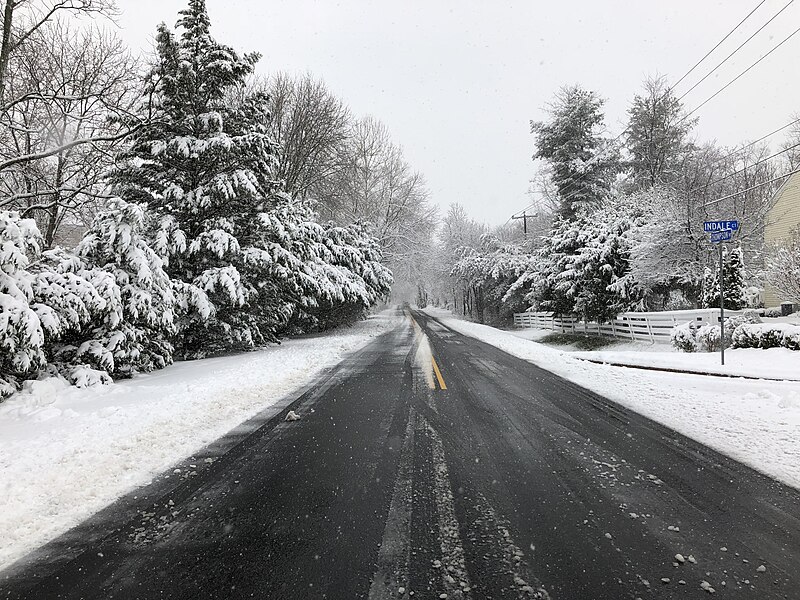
(715, 94)
(692, 69)
(739, 47)
(758, 185)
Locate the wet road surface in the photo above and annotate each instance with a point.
(432, 465)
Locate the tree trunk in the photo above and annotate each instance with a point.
(5, 47)
(53, 210)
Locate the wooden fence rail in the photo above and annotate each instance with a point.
(648, 326)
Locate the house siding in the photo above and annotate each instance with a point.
(782, 219)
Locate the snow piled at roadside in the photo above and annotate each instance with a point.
(774, 363)
(65, 453)
(755, 422)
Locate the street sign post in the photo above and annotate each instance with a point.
(721, 231)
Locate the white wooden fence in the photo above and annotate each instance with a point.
(649, 326)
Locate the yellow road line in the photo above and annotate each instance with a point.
(438, 374)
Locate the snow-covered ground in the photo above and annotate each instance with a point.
(754, 421)
(775, 363)
(65, 452)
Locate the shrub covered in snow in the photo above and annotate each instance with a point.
(22, 341)
(683, 337)
(748, 316)
(791, 338)
(767, 335)
(708, 338)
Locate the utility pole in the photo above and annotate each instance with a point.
(525, 216)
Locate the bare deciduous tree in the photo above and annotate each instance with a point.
(22, 19)
(374, 183)
(69, 85)
(310, 125)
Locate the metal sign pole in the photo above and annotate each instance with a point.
(721, 231)
(721, 308)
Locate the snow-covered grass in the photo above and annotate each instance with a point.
(65, 452)
(754, 421)
(774, 363)
(546, 336)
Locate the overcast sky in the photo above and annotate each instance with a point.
(457, 82)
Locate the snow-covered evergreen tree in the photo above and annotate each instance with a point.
(583, 166)
(203, 167)
(22, 343)
(710, 287)
(137, 335)
(334, 274)
(44, 299)
(732, 281)
(583, 267)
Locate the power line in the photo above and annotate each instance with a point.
(613, 142)
(739, 47)
(732, 81)
(773, 180)
(719, 43)
(745, 168)
(753, 143)
(715, 94)
(745, 147)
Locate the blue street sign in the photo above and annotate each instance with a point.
(710, 226)
(721, 236)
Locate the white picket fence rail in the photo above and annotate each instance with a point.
(648, 326)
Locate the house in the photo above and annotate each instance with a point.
(782, 219)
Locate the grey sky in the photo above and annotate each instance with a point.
(457, 82)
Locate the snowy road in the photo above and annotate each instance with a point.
(430, 462)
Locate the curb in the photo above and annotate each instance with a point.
(669, 370)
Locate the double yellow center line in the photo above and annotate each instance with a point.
(436, 370)
(438, 374)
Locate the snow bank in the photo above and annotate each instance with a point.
(754, 422)
(65, 452)
(774, 363)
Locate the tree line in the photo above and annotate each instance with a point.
(217, 209)
(617, 222)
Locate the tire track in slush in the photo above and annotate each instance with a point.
(432, 568)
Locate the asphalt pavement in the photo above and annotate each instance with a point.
(432, 465)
